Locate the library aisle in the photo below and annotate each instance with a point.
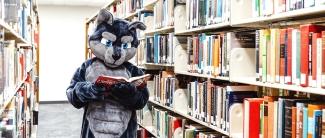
(162, 68)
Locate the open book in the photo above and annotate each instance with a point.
(109, 81)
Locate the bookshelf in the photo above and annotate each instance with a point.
(163, 30)
(150, 129)
(238, 18)
(318, 91)
(12, 34)
(299, 14)
(202, 75)
(214, 27)
(188, 117)
(19, 68)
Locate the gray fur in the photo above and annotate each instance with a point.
(109, 61)
(126, 39)
(104, 16)
(109, 36)
(107, 119)
(130, 53)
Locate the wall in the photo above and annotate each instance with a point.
(62, 40)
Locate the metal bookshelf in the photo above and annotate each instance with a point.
(213, 27)
(163, 30)
(150, 129)
(292, 87)
(189, 117)
(12, 34)
(202, 75)
(300, 14)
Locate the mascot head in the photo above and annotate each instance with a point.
(114, 40)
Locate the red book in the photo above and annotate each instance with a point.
(305, 49)
(288, 78)
(323, 61)
(282, 54)
(314, 59)
(252, 117)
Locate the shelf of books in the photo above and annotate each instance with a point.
(19, 49)
(233, 68)
(163, 30)
(189, 117)
(202, 75)
(149, 129)
(282, 13)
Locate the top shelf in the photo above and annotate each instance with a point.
(300, 14)
(12, 34)
(93, 17)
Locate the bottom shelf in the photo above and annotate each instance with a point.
(34, 131)
(150, 129)
(190, 118)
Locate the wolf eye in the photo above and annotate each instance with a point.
(124, 45)
(109, 43)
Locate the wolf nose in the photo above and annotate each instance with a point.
(116, 56)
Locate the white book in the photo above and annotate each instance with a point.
(275, 119)
(294, 55)
(219, 107)
(319, 63)
(319, 2)
(309, 3)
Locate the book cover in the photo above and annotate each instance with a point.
(323, 124)
(318, 123)
(299, 118)
(288, 78)
(109, 81)
(314, 60)
(311, 118)
(252, 117)
(305, 48)
(323, 61)
(283, 47)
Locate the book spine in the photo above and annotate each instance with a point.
(323, 61)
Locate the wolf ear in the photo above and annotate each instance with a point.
(104, 16)
(137, 25)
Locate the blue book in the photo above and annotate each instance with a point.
(237, 94)
(219, 10)
(317, 124)
(305, 123)
(156, 48)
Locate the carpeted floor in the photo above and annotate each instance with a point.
(59, 121)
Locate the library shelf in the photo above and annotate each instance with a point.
(158, 64)
(293, 87)
(202, 75)
(34, 131)
(222, 25)
(150, 129)
(163, 30)
(189, 117)
(150, 5)
(11, 33)
(93, 17)
(13, 93)
(300, 14)
(132, 14)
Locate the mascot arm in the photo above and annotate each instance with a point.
(80, 92)
(130, 96)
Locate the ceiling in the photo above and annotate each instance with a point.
(92, 3)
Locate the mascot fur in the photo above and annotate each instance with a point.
(109, 112)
